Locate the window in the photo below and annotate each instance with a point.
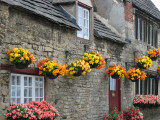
(83, 22)
(112, 84)
(26, 88)
(148, 86)
(146, 31)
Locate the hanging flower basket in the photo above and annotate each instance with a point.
(116, 72)
(52, 76)
(135, 74)
(143, 63)
(21, 66)
(51, 69)
(77, 74)
(95, 60)
(94, 65)
(115, 76)
(154, 54)
(77, 68)
(21, 57)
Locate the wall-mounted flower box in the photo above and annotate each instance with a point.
(146, 101)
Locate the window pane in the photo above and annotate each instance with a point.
(30, 81)
(112, 84)
(13, 80)
(25, 81)
(18, 91)
(18, 100)
(30, 92)
(37, 92)
(138, 28)
(13, 100)
(41, 82)
(79, 12)
(30, 99)
(151, 34)
(41, 92)
(37, 99)
(26, 100)
(13, 91)
(25, 92)
(41, 99)
(36, 82)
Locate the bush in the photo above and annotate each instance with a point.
(34, 110)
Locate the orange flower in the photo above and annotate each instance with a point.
(153, 54)
(158, 69)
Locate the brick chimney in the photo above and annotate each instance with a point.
(128, 10)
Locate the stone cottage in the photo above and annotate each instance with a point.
(62, 30)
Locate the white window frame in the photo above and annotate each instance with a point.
(83, 27)
(22, 87)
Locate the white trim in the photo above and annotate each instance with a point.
(22, 76)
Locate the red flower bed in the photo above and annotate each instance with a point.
(32, 111)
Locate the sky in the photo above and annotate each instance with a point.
(157, 3)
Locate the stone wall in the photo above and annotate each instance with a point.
(84, 97)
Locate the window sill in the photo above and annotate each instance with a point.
(28, 71)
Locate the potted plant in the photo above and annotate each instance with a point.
(143, 63)
(135, 74)
(21, 57)
(114, 115)
(51, 69)
(116, 72)
(77, 68)
(34, 110)
(95, 60)
(154, 54)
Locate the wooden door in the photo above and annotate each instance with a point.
(114, 94)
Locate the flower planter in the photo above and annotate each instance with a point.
(21, 65)
(94, 65)
(78, 74)
(154, 58)
(52, 76)
(134, 80)
(115, 76)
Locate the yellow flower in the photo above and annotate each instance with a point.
(22, 58)
(83, 73)
(44, 69)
